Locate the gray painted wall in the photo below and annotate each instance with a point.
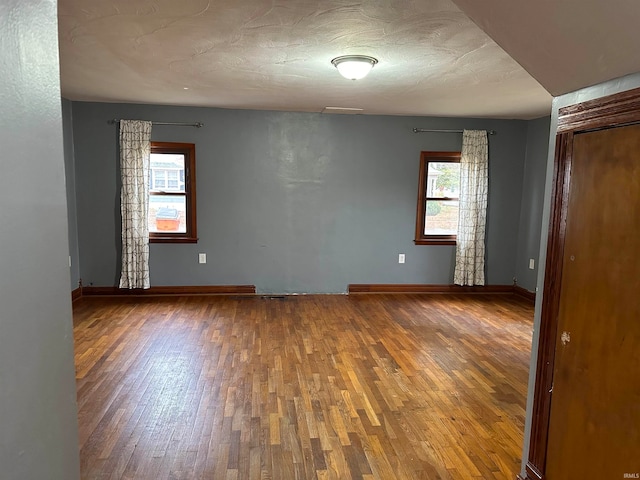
(532, 200)
(293, 202)
(70, 178)
(38, 418)
(601, 90)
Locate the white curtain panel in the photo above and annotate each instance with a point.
(472, 214)
(135, 154)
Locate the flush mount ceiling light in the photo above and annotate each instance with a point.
(354, 67)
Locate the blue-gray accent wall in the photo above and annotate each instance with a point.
(535, 167)
(294, 202)
(70, 180)
(38, 411)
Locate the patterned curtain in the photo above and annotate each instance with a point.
(474, 186)
(135, 153)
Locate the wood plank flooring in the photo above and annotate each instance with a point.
(305, 387)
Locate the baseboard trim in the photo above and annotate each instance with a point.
(354, 288)
(425, 288)
(76, 294)
(357, 288)
(523, 292)
(171, 290)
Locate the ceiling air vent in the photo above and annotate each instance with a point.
(342, 110)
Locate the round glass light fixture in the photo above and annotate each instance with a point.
(354, 67)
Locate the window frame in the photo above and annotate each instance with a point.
(425, 158)
(189, 152)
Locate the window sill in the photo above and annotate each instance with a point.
(173, 239)
(435, 241)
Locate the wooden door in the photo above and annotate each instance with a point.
(594, 428)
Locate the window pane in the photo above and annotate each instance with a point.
(158, 180)
(170, 168)
(172, 183)
(167, 214)
(441, 217)
(443, 179)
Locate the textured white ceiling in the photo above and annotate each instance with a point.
(276, 54)
(565, 44)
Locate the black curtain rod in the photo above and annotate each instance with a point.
(177, 124)
(425, 130)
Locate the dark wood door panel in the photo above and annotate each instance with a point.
(594, 427)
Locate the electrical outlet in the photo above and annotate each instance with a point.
(202, 258)
(532, 264)
(401, 258)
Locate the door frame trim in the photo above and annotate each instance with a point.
(607, 112)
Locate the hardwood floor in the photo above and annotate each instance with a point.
(305, 387)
